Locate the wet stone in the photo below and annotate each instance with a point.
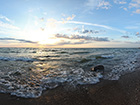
(98, 68)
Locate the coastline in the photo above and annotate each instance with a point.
(125, 91)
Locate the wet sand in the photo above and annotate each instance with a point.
(125, 91)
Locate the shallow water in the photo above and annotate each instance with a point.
(26, 72)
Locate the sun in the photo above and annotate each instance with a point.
(48, 41)
(43, 33)
(46, 36)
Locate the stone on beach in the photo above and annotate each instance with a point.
(98, 68)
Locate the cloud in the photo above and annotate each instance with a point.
(132, 27)
(134, 4)
(132, 33)
(91, 31)
(52, 23)
(8, 26)
(125, 9)
(5, 18)
(136, 42)
(68, 18)
(104, 5)
(20, 40)
(81, 37)
(62, 36)
(131, 5)
(63, 42)
(97, 4)
(76, 28)
(137, 11)
(97, 25)
(120, 2)
(125, 37)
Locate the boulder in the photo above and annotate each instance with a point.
(98, 68)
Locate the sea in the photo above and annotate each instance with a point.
(27, 72)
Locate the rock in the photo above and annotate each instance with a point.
(85, 60)
(98, 68)
(98, 57)
(29, 69)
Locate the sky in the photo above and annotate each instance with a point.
(70, 23)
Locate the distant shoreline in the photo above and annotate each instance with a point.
(75, 47)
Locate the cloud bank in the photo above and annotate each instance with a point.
(20, 40)
(81, 37)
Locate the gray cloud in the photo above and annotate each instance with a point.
(61, 36)
(137, 42)
(92, 31)
(125, 37)
(63, 42)
(20, 40)
(88, 38)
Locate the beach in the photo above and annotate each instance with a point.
(70, 52)
(24, 83)
(124, 91)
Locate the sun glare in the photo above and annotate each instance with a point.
(42, 36)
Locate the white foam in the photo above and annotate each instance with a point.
(17, 59)
(31, 83)
(127, 66)
(107, 56)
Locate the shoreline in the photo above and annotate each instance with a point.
(125, 91)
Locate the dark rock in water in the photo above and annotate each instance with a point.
(98, 68)
(99, 57)
(85, 60)
(30, 69)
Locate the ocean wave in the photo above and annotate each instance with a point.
(126, 66)
(28, 80)
(81, 52)
(33, 88)
(17, 59)
(104, 56)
